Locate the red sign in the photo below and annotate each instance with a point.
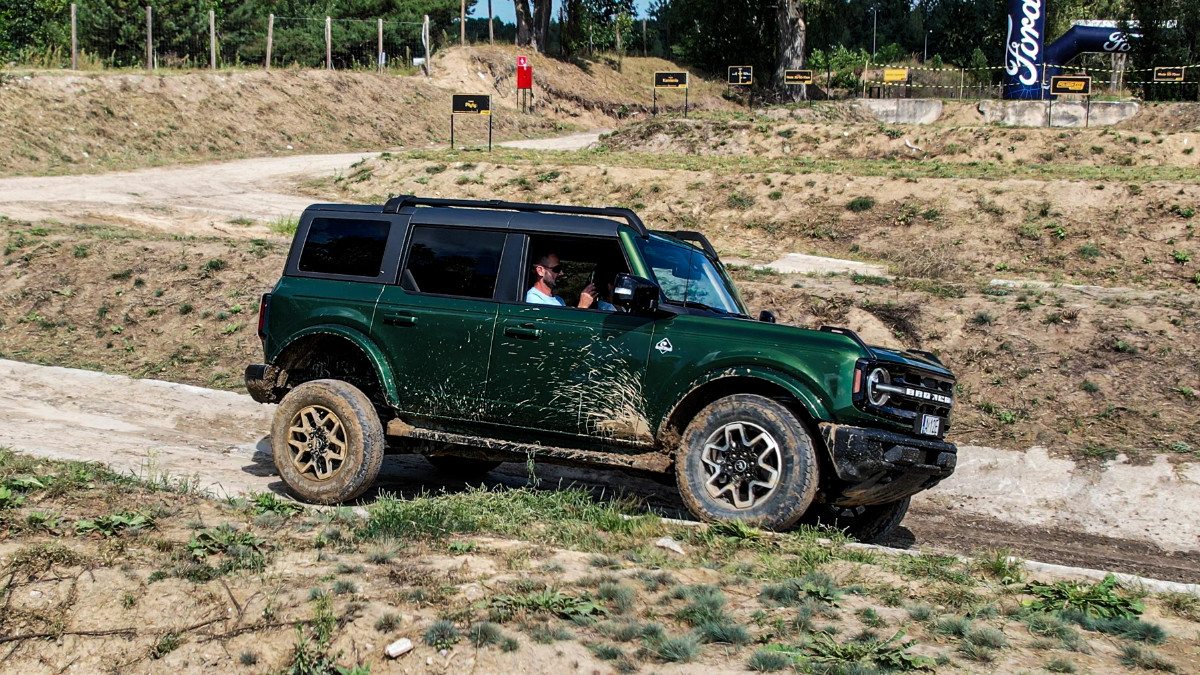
(522, 61)
(524, 75)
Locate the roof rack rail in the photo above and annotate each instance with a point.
(394, 205)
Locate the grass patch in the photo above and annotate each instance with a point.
(860, 204)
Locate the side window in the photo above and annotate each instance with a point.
(345, 246)
(581, 263)
(452, 261)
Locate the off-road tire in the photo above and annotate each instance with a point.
(867, 524)
(363, 439)
(456, 466)
(797, 472)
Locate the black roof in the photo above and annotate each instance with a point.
(537, 216)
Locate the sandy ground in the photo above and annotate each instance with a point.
(1131, 518)
(578, 141)
(187, 199)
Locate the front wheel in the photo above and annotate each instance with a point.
(327, 441)
(747, 457)
(867, 524)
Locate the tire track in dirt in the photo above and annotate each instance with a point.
(218, 440)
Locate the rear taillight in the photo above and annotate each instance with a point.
(263, 307)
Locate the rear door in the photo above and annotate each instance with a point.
(436, 323)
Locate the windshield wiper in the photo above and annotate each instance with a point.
(700, 305)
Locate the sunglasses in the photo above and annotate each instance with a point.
(557, 269)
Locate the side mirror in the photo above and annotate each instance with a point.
(635, 294)
(766, 315)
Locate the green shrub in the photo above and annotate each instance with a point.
(860, 204)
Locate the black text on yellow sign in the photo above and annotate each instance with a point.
(741, 75)
(895, 74)
(670, 80)
(1169, 74)
(1071, 84)
(797, 77)
(471, 104)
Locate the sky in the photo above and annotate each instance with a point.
(503, 9)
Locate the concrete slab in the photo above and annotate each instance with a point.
(903, 110)
(799, 263)
(1063, 113)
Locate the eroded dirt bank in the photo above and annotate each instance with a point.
(1050, 510)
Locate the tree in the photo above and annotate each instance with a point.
(533, 25)
(1169, 38)
(789, 15)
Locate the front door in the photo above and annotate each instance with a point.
(566, 370)
(569, 370)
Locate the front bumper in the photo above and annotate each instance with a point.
(877, 467)
(262, 381)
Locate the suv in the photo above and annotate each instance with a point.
(405, 328)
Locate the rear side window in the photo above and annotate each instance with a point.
(344, 246)
(453, 261)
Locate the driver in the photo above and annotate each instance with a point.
(547, 271)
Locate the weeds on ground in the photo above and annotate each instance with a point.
(1098, 600)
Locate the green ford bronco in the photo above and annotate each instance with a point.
(475, 332)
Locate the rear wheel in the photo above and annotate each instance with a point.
(327, 441)
(867, 524)
(747, 457)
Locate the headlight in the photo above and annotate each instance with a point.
(877, 377)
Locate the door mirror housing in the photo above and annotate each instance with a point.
(635, 294)
(766, 316)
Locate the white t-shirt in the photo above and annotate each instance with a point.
(535, 297)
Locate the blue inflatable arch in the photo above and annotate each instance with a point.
(1029, 64)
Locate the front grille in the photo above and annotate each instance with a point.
(913, 392)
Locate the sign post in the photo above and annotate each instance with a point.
(672, 80)
(894, 76)
(524, 83)
(798, 77)
(742, 76)
(471, 104)
(1070, 84)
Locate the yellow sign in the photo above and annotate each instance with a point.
(1169, 74)
(1070, 84)
(895, 74)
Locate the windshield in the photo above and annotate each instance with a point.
(689, 277)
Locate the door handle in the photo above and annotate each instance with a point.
(399, 319)
(527, 331)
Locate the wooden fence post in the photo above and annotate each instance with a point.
(491, 28)
(74, 40)
(270, 39)
(962, 80)
(149, 38)
(212, 39)
(379, 54)
(328, 43)
(425, 41)
(462, 23)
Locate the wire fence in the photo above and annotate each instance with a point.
(141, 37)
(904, 81)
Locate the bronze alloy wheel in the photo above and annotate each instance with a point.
(317, 441)
(743, 463)
(327, 441)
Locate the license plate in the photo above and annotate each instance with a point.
(931, 425)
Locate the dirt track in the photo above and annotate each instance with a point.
(194, 199)
(219, 441)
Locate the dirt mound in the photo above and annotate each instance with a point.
(57, 122)
(596, 90)
(781, 136)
